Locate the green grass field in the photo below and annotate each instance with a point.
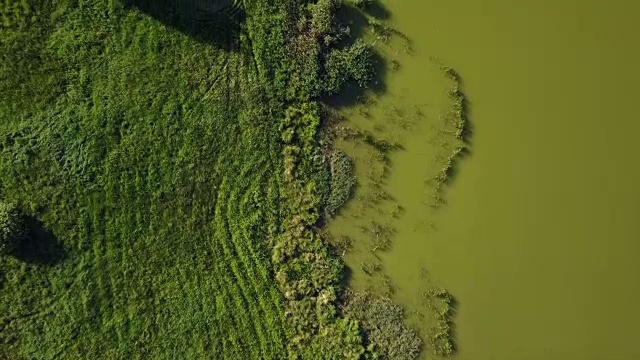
(171, 178)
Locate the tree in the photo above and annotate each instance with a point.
(12, 227)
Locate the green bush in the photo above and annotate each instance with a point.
(381, 320)
(322, 17)
(12, 228)
(354, 63)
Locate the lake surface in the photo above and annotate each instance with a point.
(538, 238)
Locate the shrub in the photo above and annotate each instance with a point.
(354, 63)
(12, 227)
(381, 320)
(322, 17)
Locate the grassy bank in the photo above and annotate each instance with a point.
(174, 179)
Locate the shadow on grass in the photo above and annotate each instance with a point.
(40, 247)
(216, 22)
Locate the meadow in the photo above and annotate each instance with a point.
(166, 156)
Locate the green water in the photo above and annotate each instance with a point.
(538, 238)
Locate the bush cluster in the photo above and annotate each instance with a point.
(323, 62)
(353, 63)
(306, 273)
(381, 319)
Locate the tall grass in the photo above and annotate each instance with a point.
(181, 174)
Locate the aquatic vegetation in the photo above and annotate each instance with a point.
(385, 288)
(382, 320)
(437, 308)
(381, 145)
(343, 182)
(442, 305)
(323, 23)
(384, 33)
(377, 129)
(341, 243)
(454, 133)
(395, 65)
(396, 211)
(373, 200)
(457, 113)
(380, 235)
(370, 268)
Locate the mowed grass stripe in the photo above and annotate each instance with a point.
(233, 296)
(248, 262)
(243, 245)
(244, 298)
(226, 262)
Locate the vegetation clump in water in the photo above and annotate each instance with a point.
(442, 304)
(382, 320)
(343, 182)
(455, 124)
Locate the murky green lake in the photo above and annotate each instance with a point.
(538, 237)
